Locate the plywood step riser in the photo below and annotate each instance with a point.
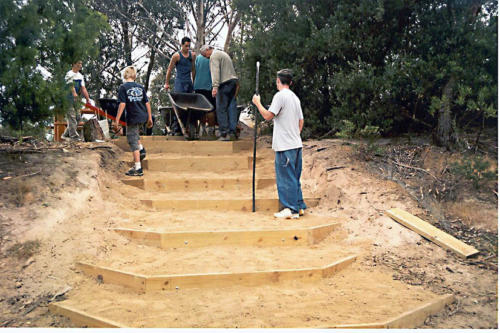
(411, 319)
(160, 145)
(206, 164)
(292, 237)
(214, 280)
(167, 185)
(245, 205)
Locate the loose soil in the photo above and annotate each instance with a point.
(58, 206)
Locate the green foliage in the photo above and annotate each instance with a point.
(38, 42)
(347, 129)
(476, 169)
(374, 63)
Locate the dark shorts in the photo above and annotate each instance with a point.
(133, 136)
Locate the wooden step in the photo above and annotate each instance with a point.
(159, 144)
(355, 297)
(171, 182)
(145, 283)
(268, 204)
(218, 221)
(258, 237)
(191, 164)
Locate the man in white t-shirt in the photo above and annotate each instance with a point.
(74, 79)
(288, 120)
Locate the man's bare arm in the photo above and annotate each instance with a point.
(301, 125)
(150, 119)
(193, 67)
(267, 115)
(171, 66)
(85, 94)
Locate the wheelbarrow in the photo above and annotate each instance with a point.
(189, 108)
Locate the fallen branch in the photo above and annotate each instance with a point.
(329, 133)
(335, 168)
(30, 150)
(414, 168)
(101, 147)
(26, 175)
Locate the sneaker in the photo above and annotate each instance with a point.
(286, 214)
(134, 172)
(233, 137)
(223, 138)
(301, 212)
(142, 153)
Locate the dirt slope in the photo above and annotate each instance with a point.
(62, 214)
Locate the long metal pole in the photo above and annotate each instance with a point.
(255, 137)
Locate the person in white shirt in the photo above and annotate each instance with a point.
(286, 112)
(74, 79)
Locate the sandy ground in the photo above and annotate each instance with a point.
(294, 304)
(69, 208)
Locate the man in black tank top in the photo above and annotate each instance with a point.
(183, 61)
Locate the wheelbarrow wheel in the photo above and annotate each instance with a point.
(192, 131)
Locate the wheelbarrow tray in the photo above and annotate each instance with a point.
(193, 102)
(188, 103)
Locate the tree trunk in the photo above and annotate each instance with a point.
(92, 131)
(230, 28)
(200, 26)
(445, 135)
(126, 43)
(150, 66)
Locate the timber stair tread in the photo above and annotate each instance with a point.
(237, 236)
(209, 267)
(140, 259)
(206, 221)
(351, 297)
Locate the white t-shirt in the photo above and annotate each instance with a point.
(76, 79)
(287, 113)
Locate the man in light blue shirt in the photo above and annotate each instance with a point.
(203, 85)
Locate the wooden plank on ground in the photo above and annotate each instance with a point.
(82, 318)
(432, 233)
(416, 317)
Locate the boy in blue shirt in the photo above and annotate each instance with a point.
(132, 96)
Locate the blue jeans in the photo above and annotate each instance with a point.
(226, 110)
(288, 166)
(183, 86)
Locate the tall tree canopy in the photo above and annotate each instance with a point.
(387, 64)
(39, 40)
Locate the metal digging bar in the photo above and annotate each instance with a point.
(255, 137)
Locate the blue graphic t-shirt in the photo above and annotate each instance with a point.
(135, 99)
